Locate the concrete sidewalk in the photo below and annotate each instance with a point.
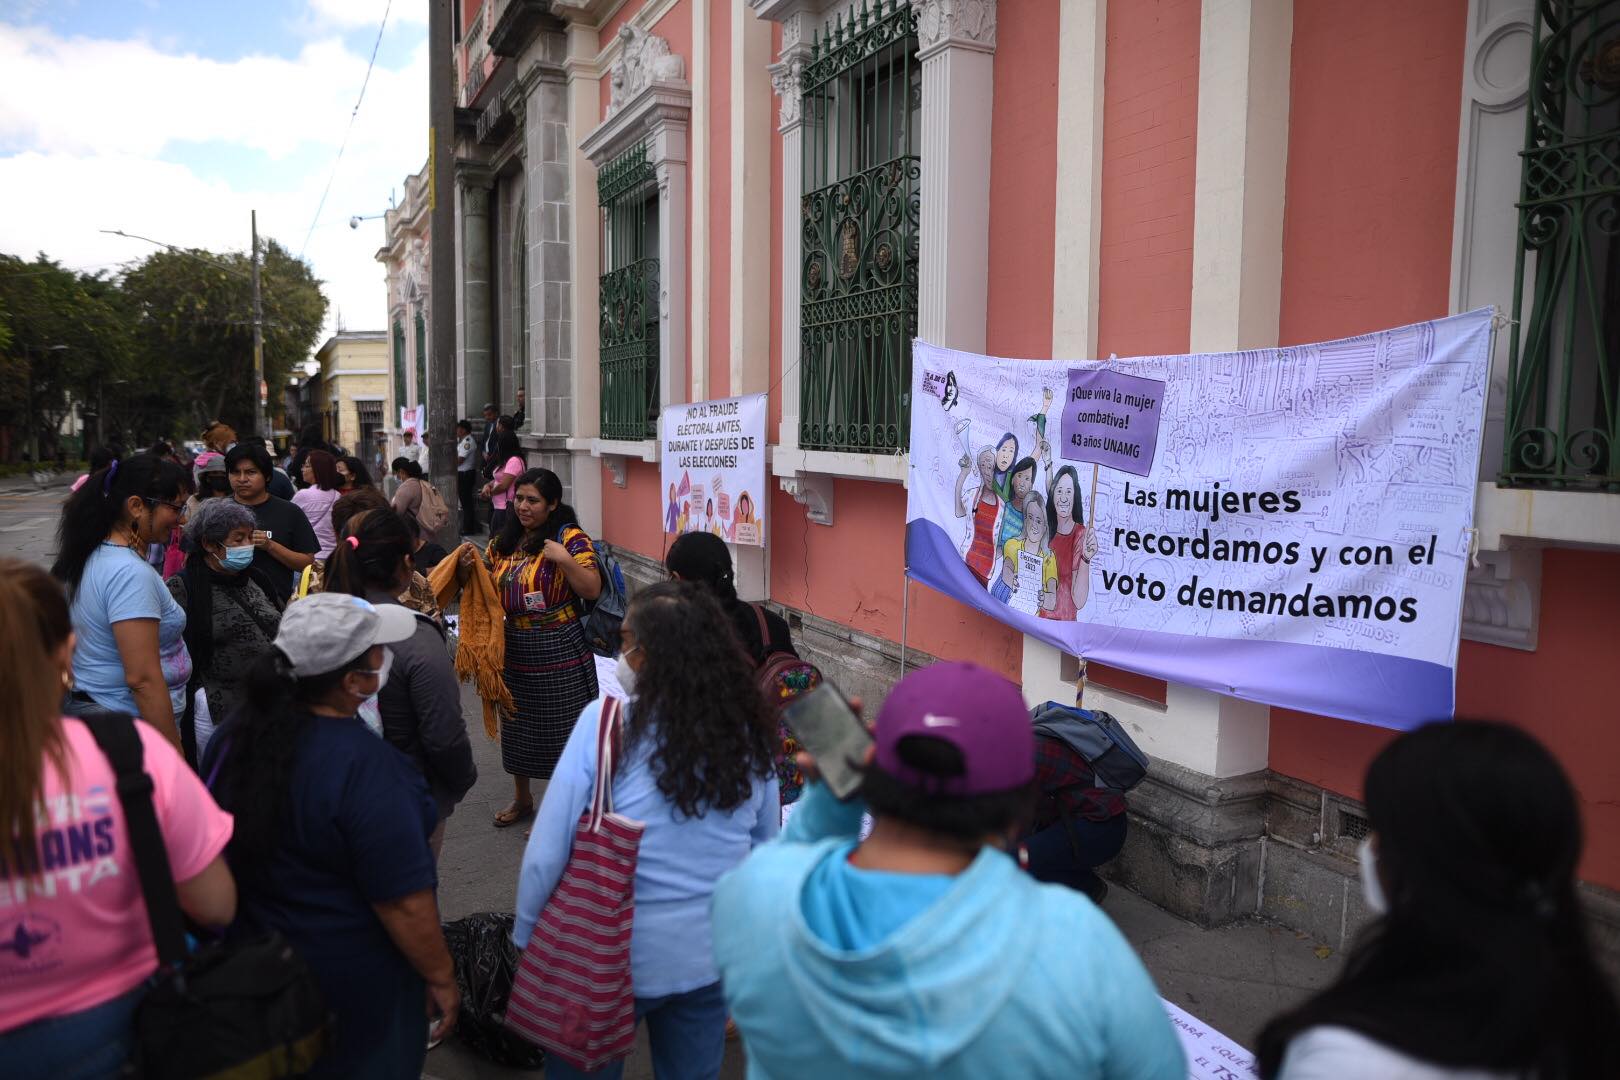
(1234, 979)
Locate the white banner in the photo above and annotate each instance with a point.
(413, 419)
(1285, 525)
(712, 464)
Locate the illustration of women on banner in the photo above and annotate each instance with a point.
(1073, 545)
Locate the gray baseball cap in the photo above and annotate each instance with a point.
(325, 631)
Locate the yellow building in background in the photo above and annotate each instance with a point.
(349, 394)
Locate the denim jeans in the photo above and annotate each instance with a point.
(687, 1032)
(1053, 857)
(91, 1044)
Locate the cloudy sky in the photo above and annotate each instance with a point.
(174, 118)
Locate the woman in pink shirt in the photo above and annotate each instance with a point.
(320, 473)
(75, 946)
(509, 452)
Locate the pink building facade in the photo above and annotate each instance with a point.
(1067, 179)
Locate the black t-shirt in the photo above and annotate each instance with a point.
(428, 556)
(288, 527)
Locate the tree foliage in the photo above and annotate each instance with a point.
(160, 348)
(195, 310)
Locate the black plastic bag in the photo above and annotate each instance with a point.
(485, 960)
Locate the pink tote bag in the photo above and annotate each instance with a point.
(572, 993)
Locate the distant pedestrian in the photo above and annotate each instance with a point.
(331, 842)
(218, 437)
(316, 498)
(78, 946)
(1479, 961)
(284, 540)
(499, 489)
(420, 705)
(131, 654)
(696, 769)
(467, 477)
(311, 438)
(924, 950)
(408, 495)
(544, 564)
(352, 474)
(231, 614)
(413, 451)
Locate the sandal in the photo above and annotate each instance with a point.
(513, 814)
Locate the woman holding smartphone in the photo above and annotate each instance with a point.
(696, 768)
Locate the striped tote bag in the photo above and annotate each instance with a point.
(572, 993)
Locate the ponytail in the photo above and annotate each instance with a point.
(369, 555)
(90, 513)
(702, 557)
(256, 753)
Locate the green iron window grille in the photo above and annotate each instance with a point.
(421, 360)
(399, 365)
(1563, 394)
(627, 190)
(861, 98)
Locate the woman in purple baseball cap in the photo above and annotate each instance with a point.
(924, 950)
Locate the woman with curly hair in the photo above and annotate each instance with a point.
(696, 769)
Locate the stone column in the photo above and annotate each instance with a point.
(956, 44)
(477, 378)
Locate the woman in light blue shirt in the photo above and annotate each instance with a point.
(131, 654)
(697, 770)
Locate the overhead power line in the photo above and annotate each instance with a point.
(344, 145)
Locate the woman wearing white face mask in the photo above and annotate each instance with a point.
(1478, 966)
(697, 770)
(231, 614)
(420, 707)
(331, 841)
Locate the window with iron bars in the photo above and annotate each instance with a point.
(627, 190)
(370, 417)
(861, 95)
(1563, 394)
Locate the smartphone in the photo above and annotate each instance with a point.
(829, 729)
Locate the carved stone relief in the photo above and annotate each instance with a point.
(643, 60)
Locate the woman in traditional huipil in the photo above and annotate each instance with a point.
(544, 566)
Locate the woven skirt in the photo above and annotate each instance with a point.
(551, 673)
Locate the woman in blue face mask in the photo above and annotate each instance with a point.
(231, 614)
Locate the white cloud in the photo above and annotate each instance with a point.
(88, 151)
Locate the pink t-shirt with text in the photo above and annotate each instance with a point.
(75, 934)
(513, 468)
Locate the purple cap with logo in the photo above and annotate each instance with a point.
(972, 708)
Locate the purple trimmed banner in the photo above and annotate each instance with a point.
(1288, 526)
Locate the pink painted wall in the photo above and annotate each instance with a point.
(1372, 175)
(1023, 180)
(1150, 127)
(719, 313)
(630, 515)
(853, 572)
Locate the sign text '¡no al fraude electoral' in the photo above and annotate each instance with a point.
(710, 436)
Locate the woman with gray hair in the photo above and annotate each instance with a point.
(231, 615)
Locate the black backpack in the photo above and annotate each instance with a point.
(248, 1008)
